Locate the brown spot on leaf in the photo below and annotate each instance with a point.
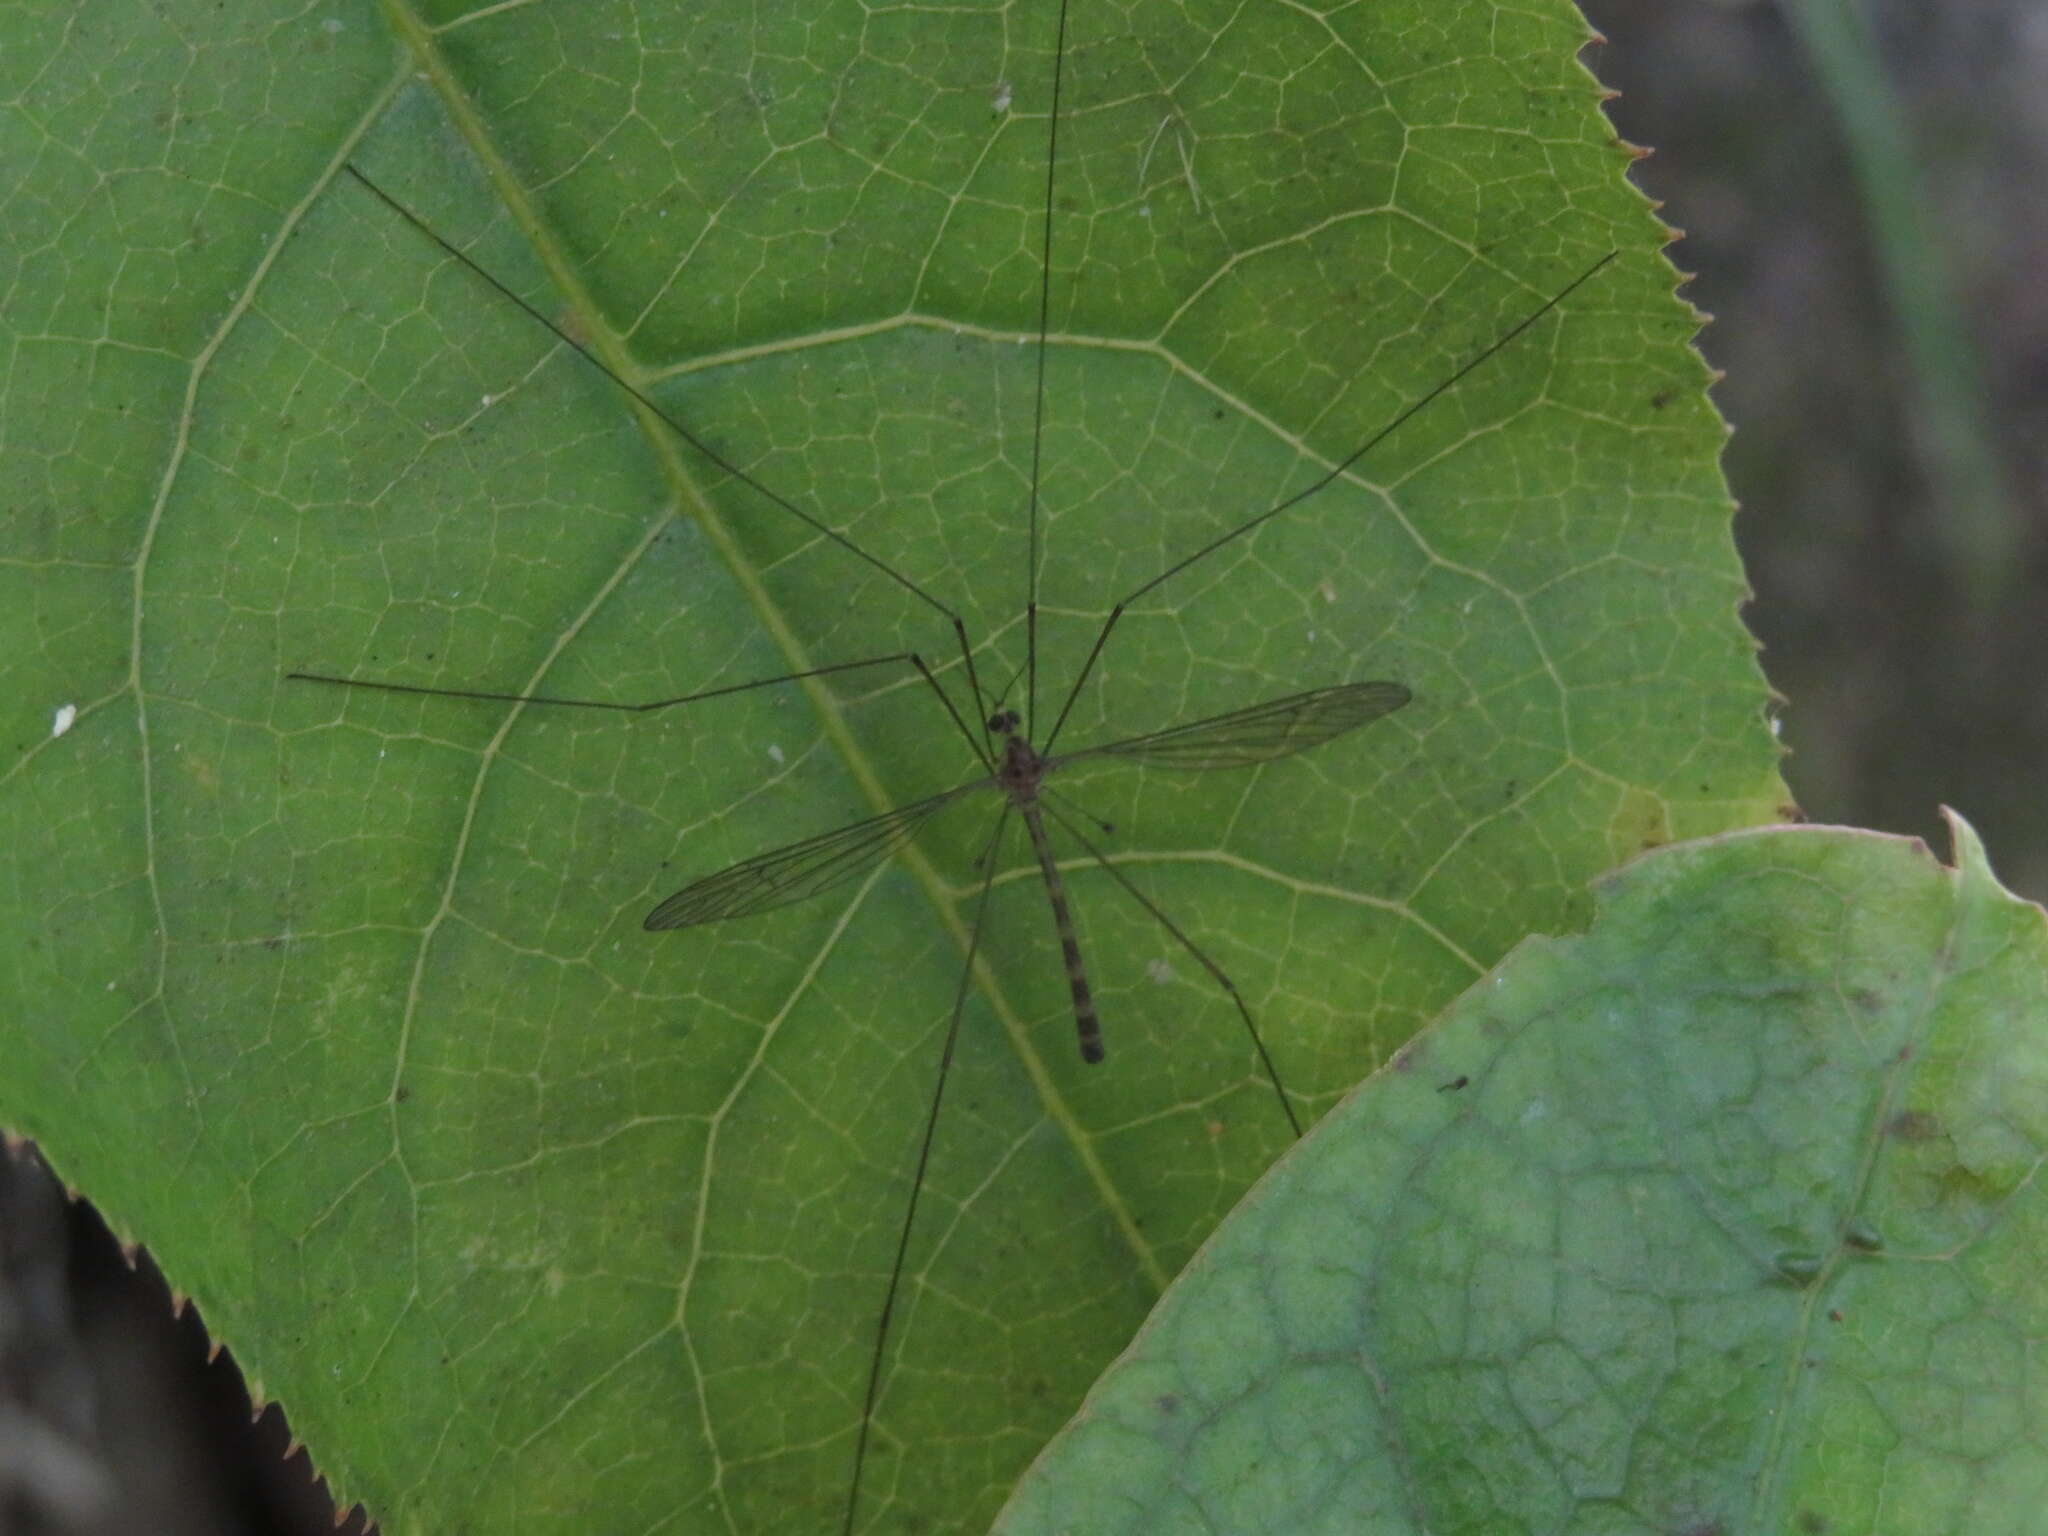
(1913, 1125)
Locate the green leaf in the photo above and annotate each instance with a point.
(1723, 1217)
(341, 1000)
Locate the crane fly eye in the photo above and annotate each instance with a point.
(1003, 722)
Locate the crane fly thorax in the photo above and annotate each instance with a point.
(1021, 767)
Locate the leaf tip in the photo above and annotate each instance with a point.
(1972, 864)
(1966, 846)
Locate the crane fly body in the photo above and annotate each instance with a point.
(1242, 738)
(1018, 775)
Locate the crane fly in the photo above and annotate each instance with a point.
(1015, 762)
(1242, 738)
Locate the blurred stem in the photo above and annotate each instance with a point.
(1977, 532)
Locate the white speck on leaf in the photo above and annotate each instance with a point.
(1002, 101)
(776, 753)
(1159, 971)
(66, 715)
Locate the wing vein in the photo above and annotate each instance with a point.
(1261, 733)
(798, 871)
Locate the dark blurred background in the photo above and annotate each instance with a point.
(112, 1417)
(1859, 185)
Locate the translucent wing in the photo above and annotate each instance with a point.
(800, 870)
(1264, 732)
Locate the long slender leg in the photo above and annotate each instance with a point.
(924, 1156)
(973, 737)
(1322, 482)
(641, 398)
(627, 708)
(1215, 971)
(1052, 161)
(974, 741)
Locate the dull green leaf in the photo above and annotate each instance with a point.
(1720, 1218)
(341, 1002)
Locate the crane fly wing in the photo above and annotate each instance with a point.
(797, 871)
(1261, 733)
